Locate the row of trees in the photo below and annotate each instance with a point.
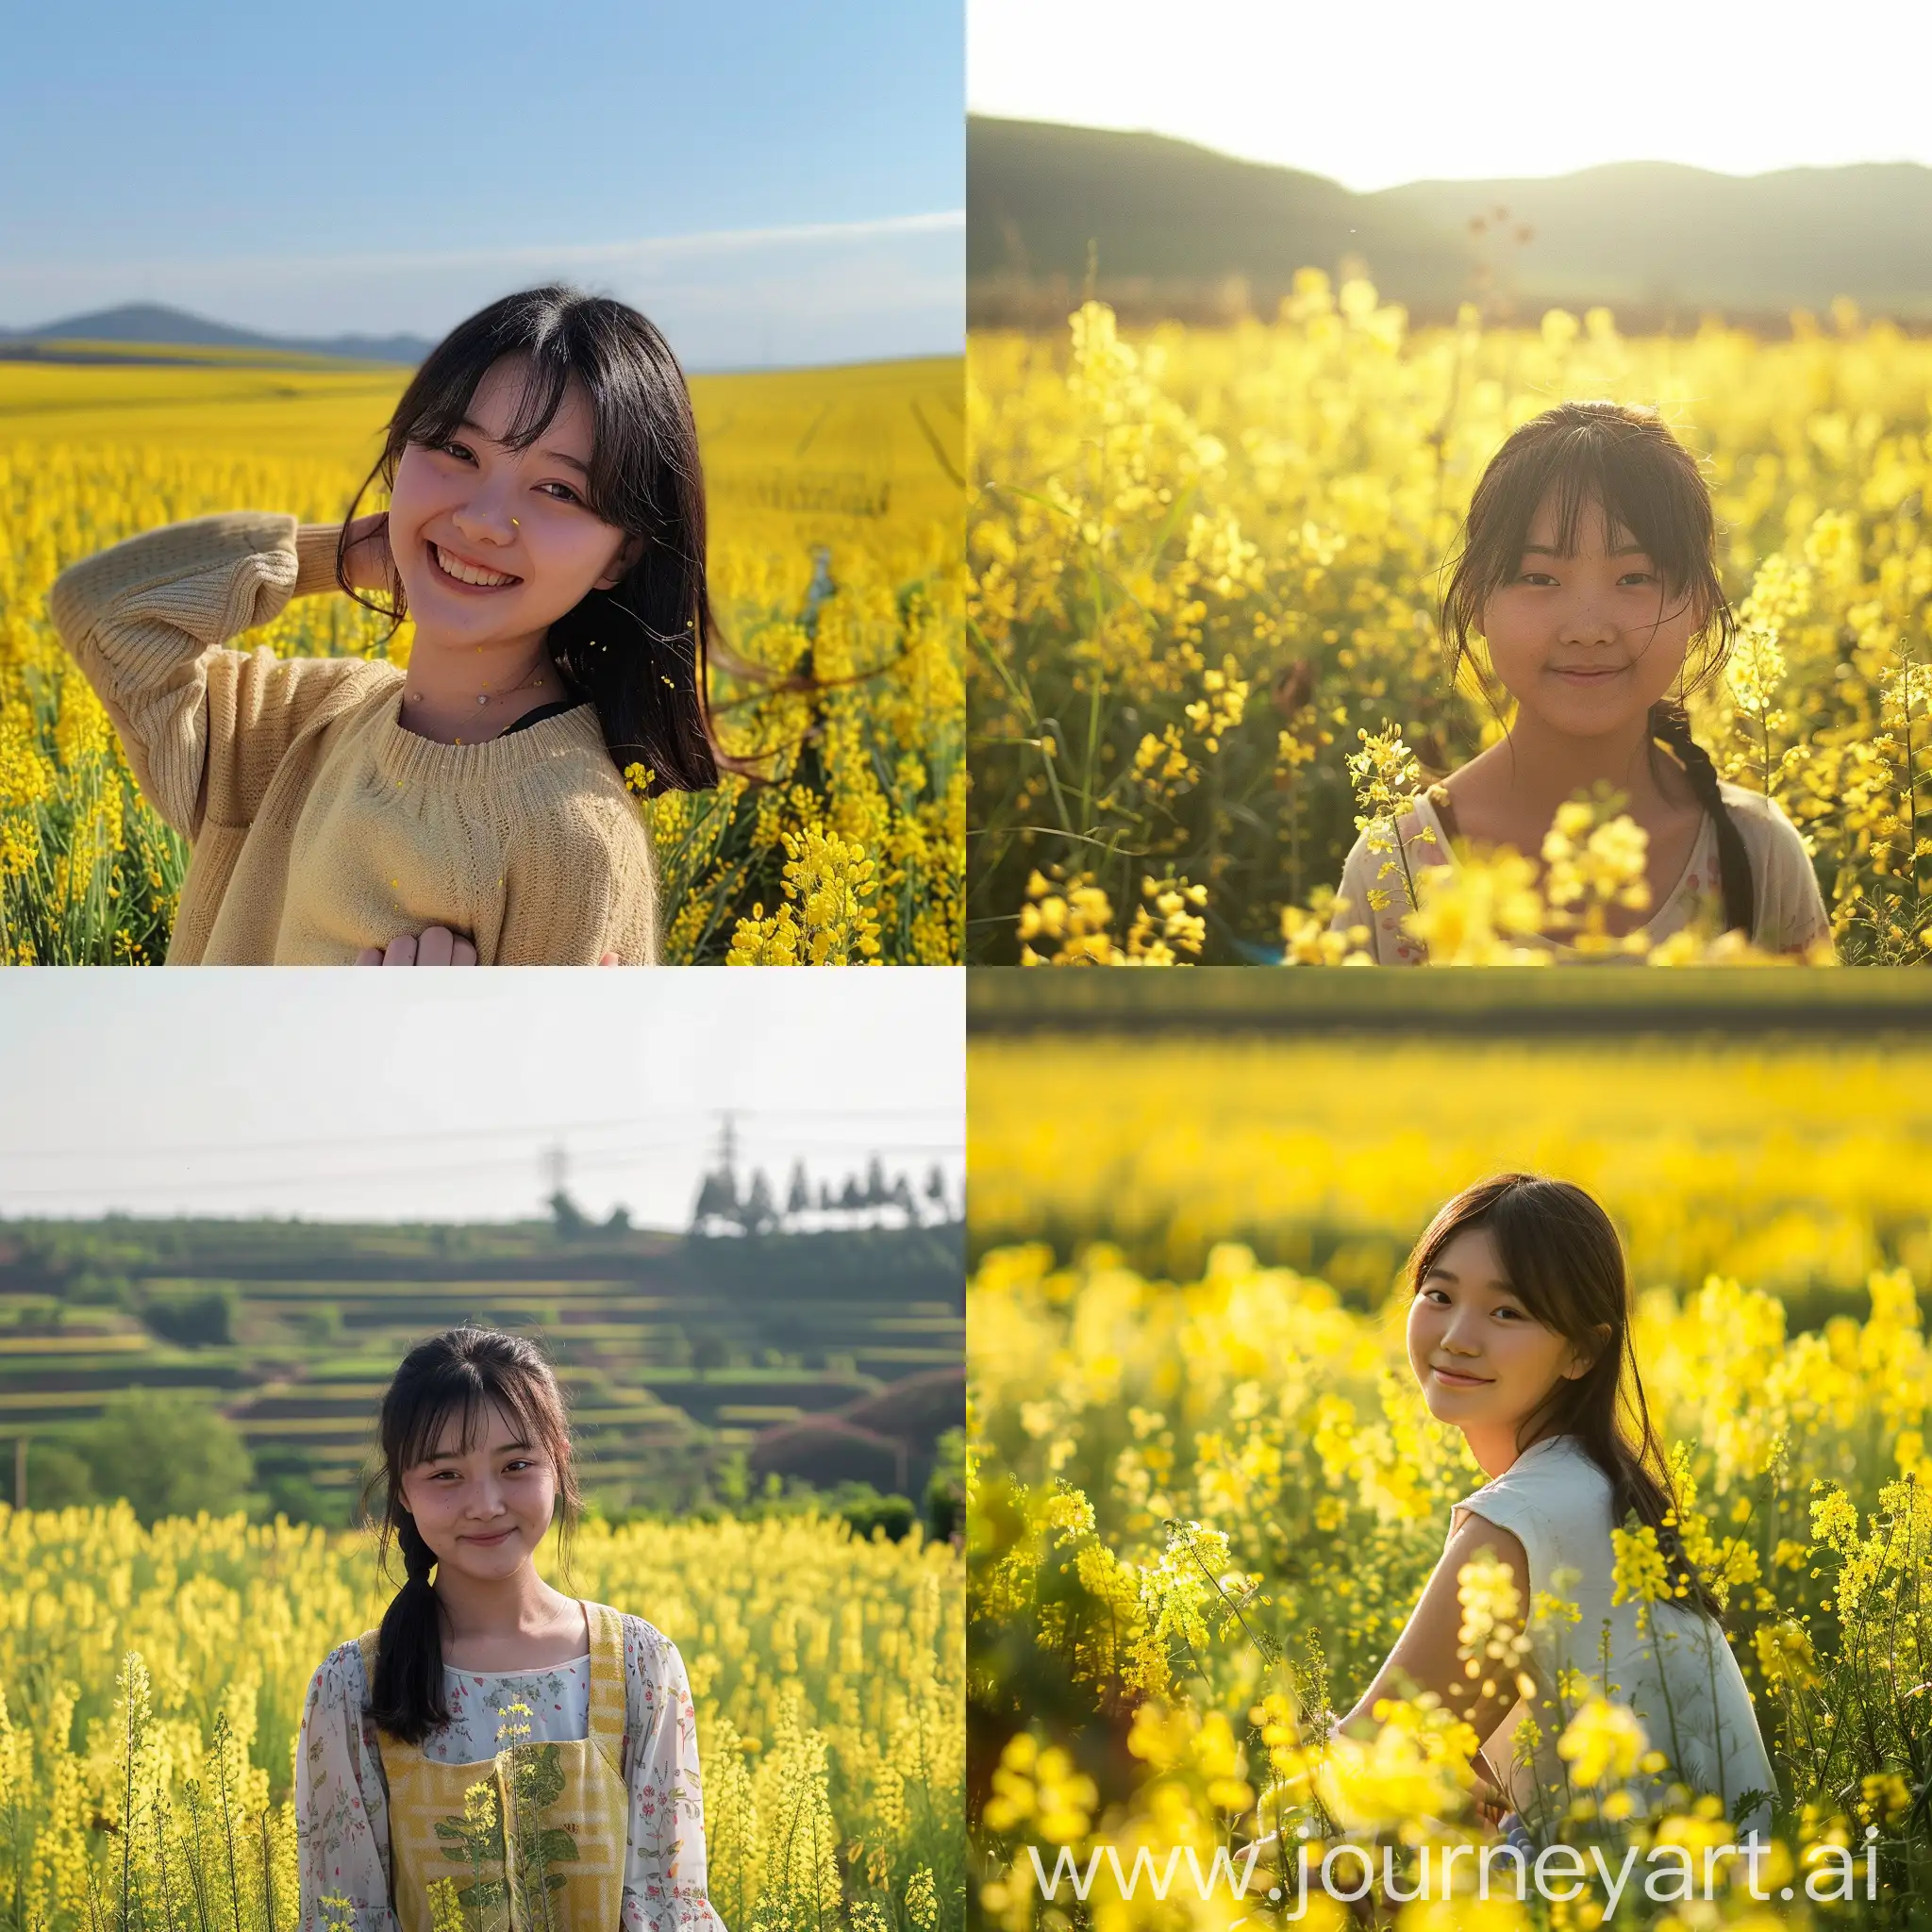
(725, 1205)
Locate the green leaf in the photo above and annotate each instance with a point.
(540, 1777)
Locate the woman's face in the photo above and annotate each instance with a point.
(1587, 643)
(1484, 1362)
(482, 1509)
(493, 543)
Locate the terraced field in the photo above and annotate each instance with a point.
(675, 1351)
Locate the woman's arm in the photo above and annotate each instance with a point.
(664, 1862)
(145, 620)
(1427, 1655)
(342, 1805)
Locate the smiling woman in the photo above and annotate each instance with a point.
(1587, 572)
(546, 534)
(497, 1752)
(1519, 1337)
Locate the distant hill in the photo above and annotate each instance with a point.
(155, 323)
(1172, 224)
(1167, 211)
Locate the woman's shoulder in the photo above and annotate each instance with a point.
(1373, 860)
(645, 1646)
(1751, 802)
(563, 770)
(1756, 813)
(1422, 821)
(1553, 1478)
(1776, 846)
(341, 1679)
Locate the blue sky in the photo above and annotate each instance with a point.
(434, 1095)
(762, 175)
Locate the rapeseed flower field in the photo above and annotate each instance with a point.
(1800, 1170)
(151, 1682)
(1206, 565)
(835, 502)
(1205, 1491)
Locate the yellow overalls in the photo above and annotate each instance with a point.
(540, 1848)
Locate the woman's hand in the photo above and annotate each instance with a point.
(438, 946)
(1492, 1803)
(370, 564)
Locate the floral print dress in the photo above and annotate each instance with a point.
(342, 1799)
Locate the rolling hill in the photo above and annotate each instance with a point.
(673, 1350)
(1172, 225)
(143, 325)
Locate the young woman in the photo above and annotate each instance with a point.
(594, 1820)
(1588, 570)
(546, 534)
(1519, 1333)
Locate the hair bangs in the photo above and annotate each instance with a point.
(469, 1389)
(1533, 1223)
(1641, 496)
(431, 411)
(1542, 1229)
(1582, 462)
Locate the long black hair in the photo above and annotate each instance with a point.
(1563, 1261)
(1624, 462)
(454, 1374)
(637, 652)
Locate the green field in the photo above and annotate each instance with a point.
(676, 1352)
(1505, 1001)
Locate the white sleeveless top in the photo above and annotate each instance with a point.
(1679, 1677)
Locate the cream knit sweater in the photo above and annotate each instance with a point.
(319, 825)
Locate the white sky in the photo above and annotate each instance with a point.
(1423, 91)
(410, 1096)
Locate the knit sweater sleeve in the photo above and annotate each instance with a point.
(146, 620)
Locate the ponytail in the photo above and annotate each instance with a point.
(407, 1698)
(1669, 724)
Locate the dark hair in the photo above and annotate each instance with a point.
(1625, 461)
(1565, 1264)
(456, 1373)
(639, 652)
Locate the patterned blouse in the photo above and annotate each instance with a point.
(341, 1800)
(1791, 915)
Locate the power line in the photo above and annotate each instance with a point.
(411, 1176)
(696, 1116)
